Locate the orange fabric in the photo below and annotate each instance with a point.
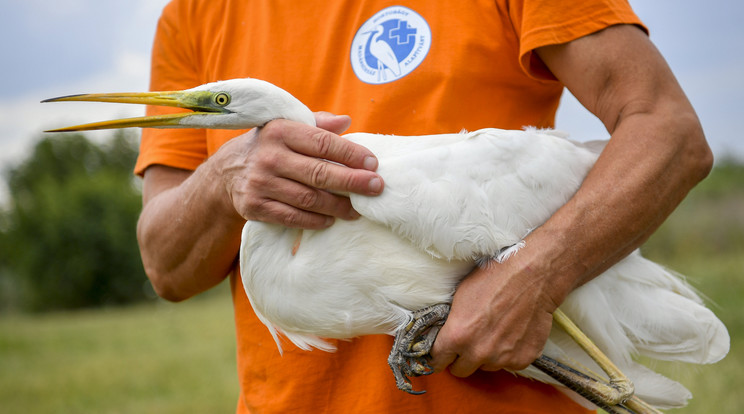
(479, 72)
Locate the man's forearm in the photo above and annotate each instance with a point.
(189, 230)
(501, 315)
(631, 190)
(188, 236)
(657, 152)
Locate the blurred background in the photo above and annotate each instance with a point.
(68, 207)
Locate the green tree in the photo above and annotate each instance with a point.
(68, 234)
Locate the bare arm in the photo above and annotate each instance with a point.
(501, 315)
(189, 229)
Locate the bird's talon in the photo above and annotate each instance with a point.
(420, 368)
(413, 343)
(421, 346)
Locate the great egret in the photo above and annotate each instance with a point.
(450, 201)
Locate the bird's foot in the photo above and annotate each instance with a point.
(614, 396)
(408, 358)
(594, 390)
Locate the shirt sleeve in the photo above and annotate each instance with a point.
(172, 68)
(551, 22)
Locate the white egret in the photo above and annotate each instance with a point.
(451, 201)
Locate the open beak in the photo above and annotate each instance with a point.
(201, 102)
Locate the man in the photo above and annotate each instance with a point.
(417, 68)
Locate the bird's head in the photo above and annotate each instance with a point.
(232, 104)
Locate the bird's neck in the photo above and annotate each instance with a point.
(285, 106)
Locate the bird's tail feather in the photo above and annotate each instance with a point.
(308, 342)
(656, 389)
(639, 307)
(670, 320)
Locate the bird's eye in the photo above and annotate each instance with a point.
(222, 99)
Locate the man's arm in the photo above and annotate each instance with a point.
(501, 315)
(189, 229)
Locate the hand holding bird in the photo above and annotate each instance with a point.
(277, 174)
(500, 319)
(453, 202)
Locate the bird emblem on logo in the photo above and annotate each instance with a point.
(390, 45)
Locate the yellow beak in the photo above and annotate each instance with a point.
(201, 102)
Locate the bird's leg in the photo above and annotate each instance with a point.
(637, 405)
(587, 386)
(408, 358)
(413, 343)
(620, 387)
(615, 396)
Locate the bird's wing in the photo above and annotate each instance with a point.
(463, 196)
(639, 307)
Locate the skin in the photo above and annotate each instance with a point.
(272, 174)
(502, 313)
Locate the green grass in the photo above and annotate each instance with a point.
(716, 388)
(179, 358)
(704, 240)
(155, 358)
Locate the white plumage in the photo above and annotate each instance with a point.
(439, 213)
(450, 202)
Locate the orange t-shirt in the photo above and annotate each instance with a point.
(396, 67)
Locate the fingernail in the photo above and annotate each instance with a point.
(375, 185)
(370, 163)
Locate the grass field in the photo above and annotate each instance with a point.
(180, 358)
(156, 358)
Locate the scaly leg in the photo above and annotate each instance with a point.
(613, 396)
(620, 388)
(413, 343)
(408, 358)
(583, 384)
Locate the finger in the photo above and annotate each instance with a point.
(337, 124)
(311, 199)
(446, 353)
(459, 365)
(319, 143)
(325, 175)
(440, 360)
(277, 212)
(463, 367)
(442, 355)
(311, 148)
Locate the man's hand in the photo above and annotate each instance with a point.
(281, 173)
(500, 318)
(501, 315)
(189, 229)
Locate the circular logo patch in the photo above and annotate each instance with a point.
(390, 45)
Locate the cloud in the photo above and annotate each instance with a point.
(701, 46)
(23, 118)
(76, 46)
(65, 47)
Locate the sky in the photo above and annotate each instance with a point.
(53, 48)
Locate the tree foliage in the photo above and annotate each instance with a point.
(68, 234)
